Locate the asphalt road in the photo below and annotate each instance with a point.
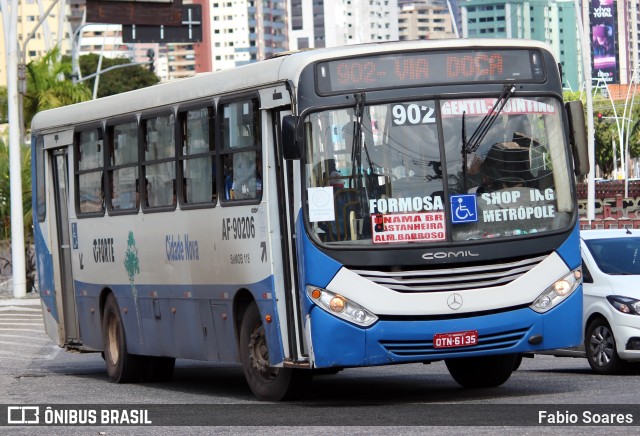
(403, 399)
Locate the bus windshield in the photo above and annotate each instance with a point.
(428, 171)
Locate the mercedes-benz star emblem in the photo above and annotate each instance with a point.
(454, 301)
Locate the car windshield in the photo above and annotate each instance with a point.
(616, 256)
(381, 173)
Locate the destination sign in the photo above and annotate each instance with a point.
(429, 68)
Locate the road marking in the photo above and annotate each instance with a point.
(22, 335)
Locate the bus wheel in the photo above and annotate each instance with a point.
(266, 382)
(482, 372)
(122, 367)
(600, 345)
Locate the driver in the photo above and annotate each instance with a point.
(505, 166)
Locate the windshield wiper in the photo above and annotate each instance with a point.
(356, 140)
(356, 153)
(471, 145)
(481, 131)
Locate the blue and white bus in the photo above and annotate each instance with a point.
(335, 208)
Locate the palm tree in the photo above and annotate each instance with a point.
(47, 88)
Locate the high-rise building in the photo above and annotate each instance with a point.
(331, 23)
(612, 32)
(55, 30)
(613, 29)
(552, 21)
(238, 32)
(425, 19)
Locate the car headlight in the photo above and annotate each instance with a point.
(626, 305)
(341, 307)
(557, 292)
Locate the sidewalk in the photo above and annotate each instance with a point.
(7, 299)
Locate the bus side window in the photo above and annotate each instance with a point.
(159, 166)
(197, 157)
(89, 171)
(242, 150)
(123, 166)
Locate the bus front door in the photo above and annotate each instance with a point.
(66, 291)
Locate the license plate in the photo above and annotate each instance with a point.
(457, 339)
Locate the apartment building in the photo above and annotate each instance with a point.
(331, 23)
(425, 19)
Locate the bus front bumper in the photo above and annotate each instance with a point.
(392, 340)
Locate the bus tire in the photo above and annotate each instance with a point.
(483, 371)
(122, 367)
(266, 383)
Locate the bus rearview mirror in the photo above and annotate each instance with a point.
(578, 137)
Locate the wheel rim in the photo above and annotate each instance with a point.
(259, 354)
(112, 343)
(602, 346)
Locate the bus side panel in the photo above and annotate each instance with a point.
(336, 343)
(569, 251)
(89, 316)
(316, 269)
(44, 267)
(176, 320)
(43, 257)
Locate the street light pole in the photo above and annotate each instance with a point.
(16, 87)
(585, 53)
(15, 143)
(634, 84)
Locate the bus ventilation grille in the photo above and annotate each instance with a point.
(495, 341)
(452, 278)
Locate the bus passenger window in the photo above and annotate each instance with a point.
(123, 166)
(159, 164)
(197, 158)
(89, 171)
(242, 151)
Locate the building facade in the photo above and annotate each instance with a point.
(238, 32)
(610, 26)
(425, 19)
(55, 30)
(553, 22)
(331, 23)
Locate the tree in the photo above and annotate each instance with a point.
(4, 105)
(606, 130)
(47, 87)
(118, 80)
(5, 191)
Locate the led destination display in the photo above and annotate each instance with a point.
(426, 68)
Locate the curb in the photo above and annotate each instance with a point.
(21, 302)
(5, 288)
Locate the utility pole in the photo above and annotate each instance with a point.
(582, 17)
(15, 145)
(16, 88)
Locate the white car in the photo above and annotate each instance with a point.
(611, 309)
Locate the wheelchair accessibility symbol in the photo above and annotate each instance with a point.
(464, 209)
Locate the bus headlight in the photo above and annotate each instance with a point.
(341, 307)
(557, 292)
